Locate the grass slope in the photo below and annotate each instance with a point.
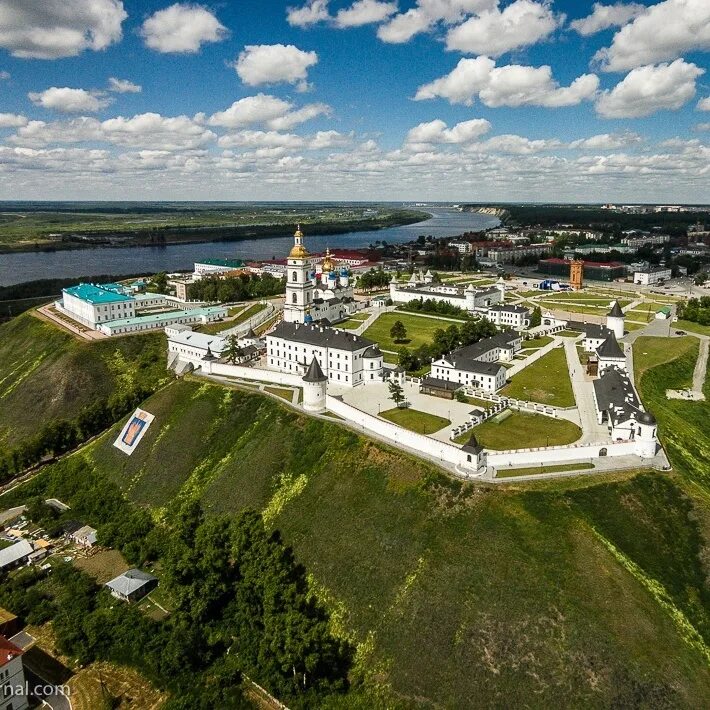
(47, 374)
(420, 330)
(517, 597)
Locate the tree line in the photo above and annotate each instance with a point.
(239, 288)
(696, 310)
(242, 602)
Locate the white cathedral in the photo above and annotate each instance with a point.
(311, 299)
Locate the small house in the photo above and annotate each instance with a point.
(132, 585)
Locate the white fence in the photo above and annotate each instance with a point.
(251, 373)
(431, 448)
(557, 454)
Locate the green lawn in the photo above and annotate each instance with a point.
(537, 343)
(522, 430)
(280, 392)
(420, 330)
(414, 420)
(248, 312)
(649, 352)
(546, 381)
(568, 334)
(537, 470)
(691, 327)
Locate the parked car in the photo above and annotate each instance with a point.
(680, 332)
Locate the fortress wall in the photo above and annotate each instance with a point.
(535, 457)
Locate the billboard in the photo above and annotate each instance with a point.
(134, 430)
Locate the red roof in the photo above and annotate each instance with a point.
(8, 651)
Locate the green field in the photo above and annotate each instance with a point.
(691, 327)
(420, 330)
(546, 380)
(48, 375)
(521, 430)
(537, 343)
(450, 591)
(414, 420)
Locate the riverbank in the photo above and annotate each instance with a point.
(199, 234)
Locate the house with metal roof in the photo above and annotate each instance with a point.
(15, 555)
(132, 585)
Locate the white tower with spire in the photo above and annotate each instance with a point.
(299, 282)
(615, 320)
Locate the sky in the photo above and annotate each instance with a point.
(385, 100)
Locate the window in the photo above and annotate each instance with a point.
(294, 276)
(294, 298)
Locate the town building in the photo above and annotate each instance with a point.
(517, 317)
(593, 270)
(652, 275)
(13, 694)
(636, 239)
(462, 247)
(478, 365)
(576, 274)
(85, 536)
(345, 359)
(93, 304)
(159, 321)
(132, 585)
(212, 267)
(422, 286)
(609, 354)
(15, 555)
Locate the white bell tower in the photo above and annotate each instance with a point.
(299, 285)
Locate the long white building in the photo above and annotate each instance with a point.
(469, 298)
(345, 359)
(478, 365)
(517, 317)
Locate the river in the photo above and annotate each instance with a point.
(31, 266)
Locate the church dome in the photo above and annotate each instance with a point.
(328, 263)
(298, 251)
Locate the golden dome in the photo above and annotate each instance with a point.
(328, 263)
(298, 251)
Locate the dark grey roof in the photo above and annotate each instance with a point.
(610, 349)
(208, 355)
(321, 336)
(372, 351)
(314, 374)
(251, 334)
(476, 366)
(476, 412)
(423, 292)
(646, 418)
(590, 330)
(510, 309)
(472, 446)
(474, 351)
(615, 394)
(436, 383)
(616, 311)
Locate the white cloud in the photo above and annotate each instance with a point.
(365, 12)
(510, 144)
(511, 85)
(150, 130)
(665, 31)
(12, 120)
(68, 100)
(646, 90)
(426, 14)
(702, 127)
(309, 14)
(329, 139)
(495, 32)
(437, 132)
(50, 29)
(605, 16)
(607, 141)
(182, 29)
(4, 75)
(704, 104)
(266, 110)
(274, 63)
(123, 86)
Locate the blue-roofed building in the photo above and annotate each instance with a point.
(94, 304)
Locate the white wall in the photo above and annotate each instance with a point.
(252, 373)
(533, 457)
(400, 436)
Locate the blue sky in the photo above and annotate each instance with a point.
(477, 100)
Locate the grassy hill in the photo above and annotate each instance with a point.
(524, 595)
(47, 374)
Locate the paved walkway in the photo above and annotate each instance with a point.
(701, 366)
(583, 389)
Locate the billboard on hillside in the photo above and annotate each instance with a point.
(134, 430)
